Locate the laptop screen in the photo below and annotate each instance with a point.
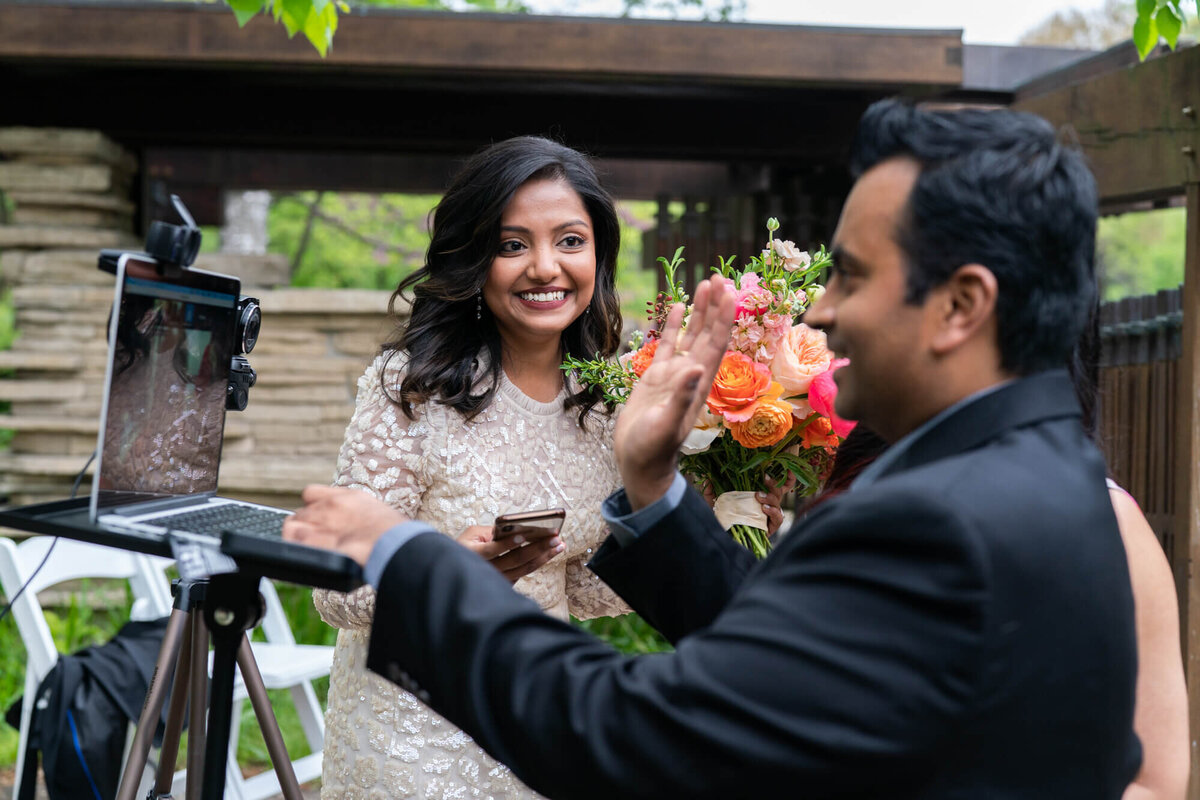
(170, 345)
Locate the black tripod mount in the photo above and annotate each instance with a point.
(231, 607)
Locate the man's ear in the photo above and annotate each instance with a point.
(966, 307)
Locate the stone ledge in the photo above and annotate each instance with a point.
(64, 141)
(40, 390)
(46, 237)
(239, 473)
(254, 272)
(92, 202)
(56, 424)
(326, 302)
(95, 299)
(25, 176)
(43, 361)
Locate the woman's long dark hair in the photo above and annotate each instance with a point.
(442, 337)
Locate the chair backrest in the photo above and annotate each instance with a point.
(72, 560)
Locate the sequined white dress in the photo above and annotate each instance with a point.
(380, 741)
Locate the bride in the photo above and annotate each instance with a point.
(465, 416)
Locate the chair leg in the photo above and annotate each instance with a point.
(26, 717)
(235, 784)
(312, 718)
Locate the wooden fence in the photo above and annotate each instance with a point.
(1139, 368)
(732, 226)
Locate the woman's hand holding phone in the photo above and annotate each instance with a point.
(517, 544)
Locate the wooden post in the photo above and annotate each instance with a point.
(1187, 476)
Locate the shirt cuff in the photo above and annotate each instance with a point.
(392, 540)
(626, 525)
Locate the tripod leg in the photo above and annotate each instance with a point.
(198, 703)
(267, 722)
(168, 655)
(169, 752)
(233, 606)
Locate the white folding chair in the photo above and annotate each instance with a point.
(70, 560)
(283, 663)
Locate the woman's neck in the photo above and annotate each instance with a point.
(535, 372)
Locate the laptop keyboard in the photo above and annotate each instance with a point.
(266, 522)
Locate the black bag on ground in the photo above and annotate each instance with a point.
(82, 713)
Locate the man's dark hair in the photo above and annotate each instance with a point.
(996, 188)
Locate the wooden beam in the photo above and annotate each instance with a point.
(1133, 126)
(1187, 478)
(469, 43)
(184, 171)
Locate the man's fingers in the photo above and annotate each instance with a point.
(316, 492)
(302, 532)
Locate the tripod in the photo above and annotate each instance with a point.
(231, 606)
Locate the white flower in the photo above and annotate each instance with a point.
(793, 257)
(815, 292)
(698, 441)
(707, 428)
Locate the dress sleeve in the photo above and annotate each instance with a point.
(383, 454)
(588, 596)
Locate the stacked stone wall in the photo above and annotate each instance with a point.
(68, 196)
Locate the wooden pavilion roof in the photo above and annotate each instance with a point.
(403, 94)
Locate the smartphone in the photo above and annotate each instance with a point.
(549, 520)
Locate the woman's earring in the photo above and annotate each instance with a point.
(479, 304)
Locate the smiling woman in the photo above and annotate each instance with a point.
(465, 416)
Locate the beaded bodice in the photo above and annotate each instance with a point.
(518, 454)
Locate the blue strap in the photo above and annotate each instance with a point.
(79, 752)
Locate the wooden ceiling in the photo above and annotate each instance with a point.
(404, 94)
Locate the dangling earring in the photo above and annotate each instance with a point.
(479, 305)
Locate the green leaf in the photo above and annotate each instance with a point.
(1169, 24)
(245, 10)
(1145, 8)
(295, 15)
(1145, 36)
(316, 30)
(318, 6)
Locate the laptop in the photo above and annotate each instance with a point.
(162, 425)
(162, 422)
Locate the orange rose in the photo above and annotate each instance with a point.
(739, 383)
(818, 432)
(642, 358)
(800, 357)
(768, 423)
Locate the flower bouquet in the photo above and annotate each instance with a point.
(770, 409)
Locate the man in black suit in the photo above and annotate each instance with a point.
(959, 624)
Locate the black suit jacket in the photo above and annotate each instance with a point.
(960, 628)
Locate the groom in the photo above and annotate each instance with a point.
(957, 625)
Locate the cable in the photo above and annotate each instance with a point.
(50, 549)
(79, 477)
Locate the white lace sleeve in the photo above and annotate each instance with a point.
(588, 596)
(383, 454)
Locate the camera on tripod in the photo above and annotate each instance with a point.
(171, 249)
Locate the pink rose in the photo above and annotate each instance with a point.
(822, 393)
(800, 357)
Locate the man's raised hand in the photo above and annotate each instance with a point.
(664, 404)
